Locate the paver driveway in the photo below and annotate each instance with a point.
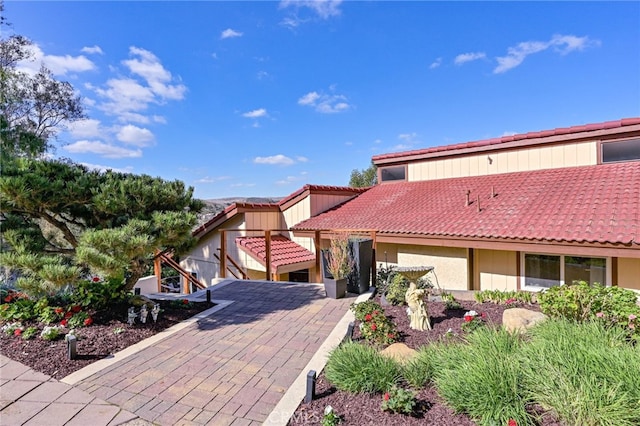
(231, 367)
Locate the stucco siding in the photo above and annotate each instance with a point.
(497, 269)
(450, 263)
(516, 160)
(629, 273)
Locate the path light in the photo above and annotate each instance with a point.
(350, 328)
(311, 387)
(208, 297)
(72, 351)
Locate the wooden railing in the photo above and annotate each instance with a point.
(242, 273)
(167, 257)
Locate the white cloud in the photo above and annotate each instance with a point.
(87, 128)
(229, 33)
(208, 179)
(242, 185)
(301, 159)
(468, 57)
(256, 113)
(93, 50)
(102, 149)
(148, 66)
(309, 99)
(288, 180)
(435, 64)
(279, 159)
(562, 44)
(128, 97)
(325, 9)
(325, 103)
(137, 136)
(58, 65)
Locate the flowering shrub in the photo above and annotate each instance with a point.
(29, 333)
(79, 320)
(51, 332)
(10, 329)
(472, 321)
(330, 417)
(375, 327)
(398, 400)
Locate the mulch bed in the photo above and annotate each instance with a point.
(108, 334)
(364, 409)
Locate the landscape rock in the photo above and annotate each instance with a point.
(520, 319)
(399, 351)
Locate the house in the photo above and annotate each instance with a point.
(527, 211)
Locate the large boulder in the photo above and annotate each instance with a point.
(520, 319)
(399, 351)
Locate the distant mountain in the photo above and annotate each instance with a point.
(216, 205)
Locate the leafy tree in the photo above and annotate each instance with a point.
(34, 104)
(112, 222)
(364, 178)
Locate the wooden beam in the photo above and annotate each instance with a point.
(157, 270)
(267, 241)
(316, 243)
(223, 254)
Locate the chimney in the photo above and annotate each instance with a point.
(467, 194)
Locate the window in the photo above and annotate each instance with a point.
(621, 151)
(545, 271)
(392, 173)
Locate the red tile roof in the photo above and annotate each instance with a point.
(524, 137)
(590, 204)
(283, 250)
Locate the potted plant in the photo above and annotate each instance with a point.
(338, 265)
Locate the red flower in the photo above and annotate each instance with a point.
(68, 315)
(8, 299)
(96, 279)
(76, 308)
(391, 336)
(512, 423)
(88, 321)
(58, 311)
(376, 312)
(468, 318)
(17, 332)
(368, 317)
(386, 396)
(63, 323)
(483, 315)
(185, 301)
(373, 327)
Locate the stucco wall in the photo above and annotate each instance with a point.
(450, 263)
(496, 269)
(629, 273)
(524, 159)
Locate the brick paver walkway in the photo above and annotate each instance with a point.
(35, 399)
(229, 368)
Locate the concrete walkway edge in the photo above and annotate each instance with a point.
(290, 401)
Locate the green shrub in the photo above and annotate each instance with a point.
(503, 297)
(51, 332)
(99, 295)
(21, 309)
(356, 368)
(29, 333)
(580, 302)
(482, 378)
(398, 286)
(360, 310)
(586, 373)
(382, 277)
(418, 371)
(398, 400)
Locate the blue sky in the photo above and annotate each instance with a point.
(261, 98)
